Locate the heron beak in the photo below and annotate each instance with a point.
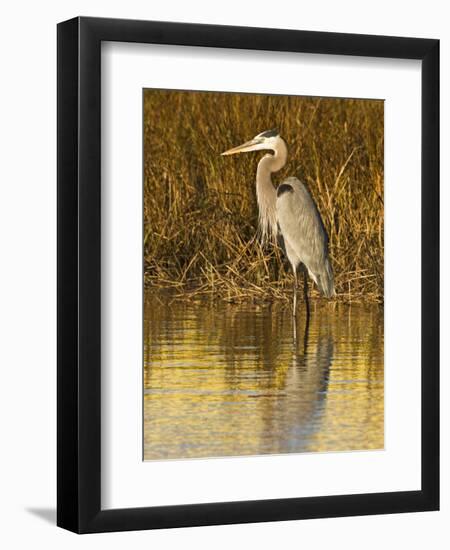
(244, 148)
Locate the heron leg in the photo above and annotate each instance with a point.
(294, 305)
(306, 336)
(305, 293)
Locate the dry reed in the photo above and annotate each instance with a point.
(200, 212)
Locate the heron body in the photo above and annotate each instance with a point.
(305, 239)
(289, 212)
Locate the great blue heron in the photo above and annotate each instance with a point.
(289, 212)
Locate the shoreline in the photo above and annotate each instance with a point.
(233, 294)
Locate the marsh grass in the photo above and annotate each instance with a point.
(200, 212)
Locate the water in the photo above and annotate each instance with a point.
(231, 380)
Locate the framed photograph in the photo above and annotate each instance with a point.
(248, 275)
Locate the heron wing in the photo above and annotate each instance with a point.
(303, 231)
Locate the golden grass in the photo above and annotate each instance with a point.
(200, 212)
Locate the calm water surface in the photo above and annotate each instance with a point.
(223, 379)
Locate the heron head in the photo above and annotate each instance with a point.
(264, 140)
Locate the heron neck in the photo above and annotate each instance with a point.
(273, 163)
(266, 193)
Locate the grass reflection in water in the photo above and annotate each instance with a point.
(229, 380)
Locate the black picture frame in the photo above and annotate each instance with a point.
(79, 280)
